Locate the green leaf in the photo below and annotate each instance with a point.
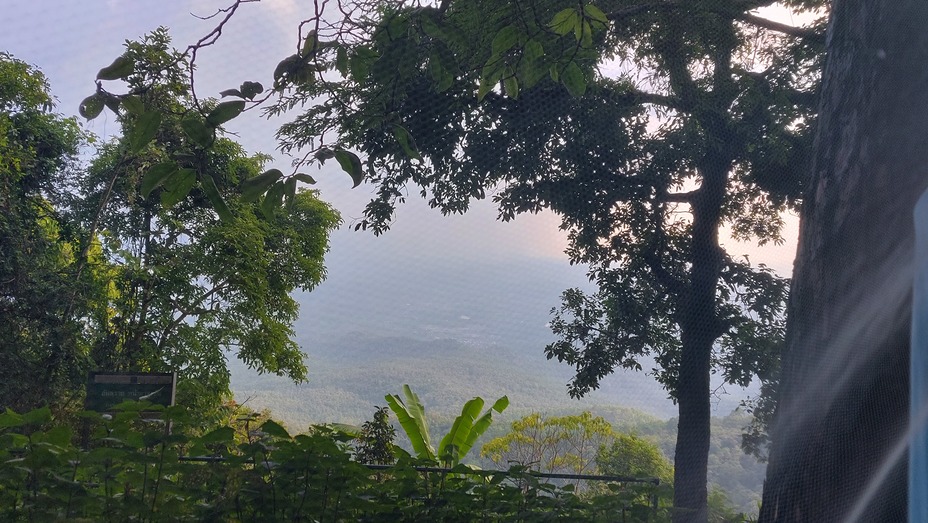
(533, 50)
(305, 178)
(481, 425)
(442, 68)
(501, 404)
(351, 164)
(290, 192)
(505, 40)
(224, 112)
(208, 184)
(220, 435)
(573, 79)
(445, 83)
(272, 200)
(60, 436)
(323, 154)
(251, 89)
(10, 419)
(595, 13)
(351, 430)
(37, 416)
(360, 61)
(111, 101)
(310, 45)
(156, 176)
(411, 416)
(531, 70)
(197, 130)
(436, 70)
(511, 85)
(120, 68)
(272, 428)
(450, 446)
(406, 142)
(341, 60)
(146, 126)
(133, 104)
(490, 75)
(177, 187)
(564, 21)
(91, 107)
(432, 29)
(252, 188)
(586, 40)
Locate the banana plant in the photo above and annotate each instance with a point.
(465, 430)
(411, 415)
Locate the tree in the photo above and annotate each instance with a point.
(565, 444)
(631, 456)
(375, 442)
(43, 356)
(840, 427)
(647, 126)
(199, 269)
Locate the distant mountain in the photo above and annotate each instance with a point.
(452, 329)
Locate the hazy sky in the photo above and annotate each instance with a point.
(71, 40)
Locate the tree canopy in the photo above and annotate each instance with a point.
(157, 255)
(561, 444)
(192, 281)
(42, 352)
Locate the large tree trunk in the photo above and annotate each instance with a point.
(838, 439)
(699, 325)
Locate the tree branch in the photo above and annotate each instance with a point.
(187, 312)
(633, 96)
(683, 197)
(799, 32)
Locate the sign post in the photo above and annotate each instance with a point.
(105, 390)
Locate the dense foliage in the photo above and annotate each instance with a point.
(135, 469)
(43, 353)
(630, 455)
(152, 257)
(374, 443)
(559, 444)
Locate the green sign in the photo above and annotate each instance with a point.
(105, 390)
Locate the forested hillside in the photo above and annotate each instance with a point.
(430, 326)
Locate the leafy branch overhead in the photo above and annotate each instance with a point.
(177, 176)
(204, 242)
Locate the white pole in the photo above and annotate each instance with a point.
(918, 449)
